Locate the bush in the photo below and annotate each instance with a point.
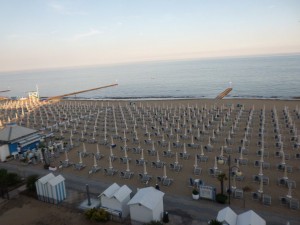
(221, 198)
(30, 183)
(98, 215)
(214, 222)
(195, 191)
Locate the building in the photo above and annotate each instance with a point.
(51, 189)
(146, 205)
(14, 138)
(42, 188)
(56, 189)
(228, 217)
(250, 218)
(115, 198)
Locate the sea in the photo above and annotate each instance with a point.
(271, 77)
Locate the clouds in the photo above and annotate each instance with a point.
(63, 10)
(90, 33)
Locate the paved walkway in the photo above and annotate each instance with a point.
(182, 209)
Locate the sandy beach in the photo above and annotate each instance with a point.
(242, 122)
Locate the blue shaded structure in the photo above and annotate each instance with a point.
(16, 139)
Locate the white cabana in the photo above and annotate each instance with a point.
(42, 188)
(250, 218)
(146, 205)
(227, 216)
(57, 189)
(115, 199)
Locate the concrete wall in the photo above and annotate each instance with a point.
(158, 211)
(140, 213)
(4, 152)
(111, 203)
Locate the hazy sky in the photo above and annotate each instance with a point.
(46, 33)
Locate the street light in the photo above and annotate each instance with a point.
(236, 172)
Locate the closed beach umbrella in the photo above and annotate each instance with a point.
(260, 170)
(282, 158)
(127, 166)
(165, 172)
(145, 169)
(110, 163)
(261, 186)
(285, 173)
(216, 164)
(142, 154)
(196, 161)
(169, 147)
(184, 148)
(67, 158)
(176, 158)
(80, 158)
(84, 148)
(111, 151)
(95, 161)
(202, 153)
(98, 152)
(125, 153)
(157, 157)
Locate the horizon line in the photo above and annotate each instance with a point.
(146, 61)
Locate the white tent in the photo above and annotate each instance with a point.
(57, 189)
(250, 218)
(42, 188)
(146, 205)
(227, 216)
(115, 198)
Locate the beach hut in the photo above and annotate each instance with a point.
(42, 188)
(13, 136)
(115, 198)
(56, 189)
(146, 205)
(250, 218)
(227, 216)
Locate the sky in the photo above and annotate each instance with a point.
(36, 34)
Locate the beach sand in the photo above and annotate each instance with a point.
(153, 111)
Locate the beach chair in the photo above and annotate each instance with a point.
(266, 199)
(197, 171)
(202, 158)
(95, 169)
(136, 150)
(124, 160)
(167, 181)
(183, 155)
(294, 203)
(238, 193)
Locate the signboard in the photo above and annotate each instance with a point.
(207, 192)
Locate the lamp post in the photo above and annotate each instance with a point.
(230, 171)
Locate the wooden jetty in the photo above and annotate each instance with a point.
(224, 93)
(79, 92)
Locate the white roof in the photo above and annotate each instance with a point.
(110, 191)
(122, 193)
(46, 178)
(148, 197)
(250, 218)
(12, 132)
(56, 180)
(227, 215)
